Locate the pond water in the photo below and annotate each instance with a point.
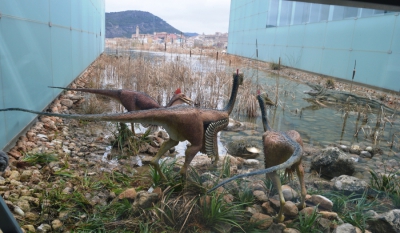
(318, 126)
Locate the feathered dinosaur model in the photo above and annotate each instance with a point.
(199, 126)
(282, 150)
(134, 100)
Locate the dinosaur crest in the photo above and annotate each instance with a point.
(178, 91)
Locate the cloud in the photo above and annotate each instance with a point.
(208, 16)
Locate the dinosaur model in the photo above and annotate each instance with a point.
(199, 126)
(281, 150)
(134, 100)
(320, 93)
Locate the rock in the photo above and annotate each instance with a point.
(289, 193)
(251, 162)
(56, 224)
(129, 194)
(276, 228)
(19, 211)
(243, 148)
(345, 228)
(32, 216)
(268, 209)
(29, 228)
(290, 209)
(145, 200)
(67, 102)
(260, 196)
(332, 162)
(14, 175)
(349, 184)
(322, 202)
(355, 149)
(365, 154)
(291, 230)
(26, 175)
(388, 222)
(44, 228)
(263, 221)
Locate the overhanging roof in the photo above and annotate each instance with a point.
(374, 4)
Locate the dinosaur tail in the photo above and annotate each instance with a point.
(296, 157)
(145, 116)
(109, 93)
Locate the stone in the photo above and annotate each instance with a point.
(355, 149)
(345, 228)
(322, 202)
(251, 162)
(56, 224)
(263, 221)
(26, 175)
(332, 162)
(290, 209)
(388, 222)
(32, 216)
(43, 228)
(349, 184)
(14, 175)
(129, 194)
(19, 211)
(365, 154)
(268, 209)
(291, 230)
(260, 196)
(244, 148)
(28, 228)
(67, 102)
(289, 193)
(276, 228)
(145, 200)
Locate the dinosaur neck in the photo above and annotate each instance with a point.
(263, 113)
(229, 107)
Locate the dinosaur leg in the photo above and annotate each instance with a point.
(277, 183)
(300, 174)
(164, 147)
(133, 128)
(190, 152)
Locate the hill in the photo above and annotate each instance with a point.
(123, 24)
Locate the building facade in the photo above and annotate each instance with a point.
(324, 39)
(43, 43)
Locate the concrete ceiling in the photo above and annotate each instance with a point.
(373, 4)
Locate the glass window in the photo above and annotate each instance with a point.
(286, 13)
(350, 12)
(273, 13)
(366, 12)
(338, 12)
(315, 12)
(301, 13)
(324, 12)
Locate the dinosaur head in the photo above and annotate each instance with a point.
(179, 98)
(267, 100)
(316, 89)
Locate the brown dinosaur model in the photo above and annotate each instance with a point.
(281, 150)
(134, 100)
(199, 126)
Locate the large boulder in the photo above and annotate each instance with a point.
(243, 148)
(388, 222)
(349, 184)
(332, 162)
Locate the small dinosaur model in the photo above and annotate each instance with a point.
(134, 100)
(199, 126)
(281, 150)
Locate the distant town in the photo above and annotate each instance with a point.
(160, 40)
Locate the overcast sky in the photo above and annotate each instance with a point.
(208, 16)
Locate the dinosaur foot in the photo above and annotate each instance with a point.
(279, 218)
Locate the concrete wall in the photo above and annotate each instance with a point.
(43, 43)
(319, 38)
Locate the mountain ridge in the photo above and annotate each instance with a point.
(123, 24)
